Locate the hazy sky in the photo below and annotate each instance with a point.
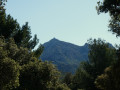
(74, 21)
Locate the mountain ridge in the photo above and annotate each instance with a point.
(66, 56)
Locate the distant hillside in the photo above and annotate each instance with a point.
(65, 56)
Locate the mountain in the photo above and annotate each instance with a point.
(64, 55)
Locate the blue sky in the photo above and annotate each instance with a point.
(73, 21)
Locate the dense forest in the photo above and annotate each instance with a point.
(20, 68)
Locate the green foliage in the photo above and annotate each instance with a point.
(10, 28)
(20, 70)
(110, 80)
(9, 69)
(2, 4)
(82, 79)
(62, 87)
(20, 55)
(38, 76)
(38, 51)
(21, 35)
(113, 7)
(11, 59)
(104, 81)
(19, 67)
(101, 55)
(68, 79)
(9, 73)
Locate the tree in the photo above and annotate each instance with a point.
(113, 7)
(12, 59)
(9, 74)
(101, 55)
(19, 67)
(2, 4)
(68, 79)
(38, 76)
(62, 87)
(2, 14)
(110, 79)
(82, 79)
(20, 70)
(9, 69)
(111, 74)
(22, 35)
(18, 54)
(10, 28)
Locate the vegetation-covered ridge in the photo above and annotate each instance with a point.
(66, 56)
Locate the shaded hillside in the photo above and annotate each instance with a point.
(65, 56)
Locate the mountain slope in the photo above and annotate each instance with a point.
(65, 56)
